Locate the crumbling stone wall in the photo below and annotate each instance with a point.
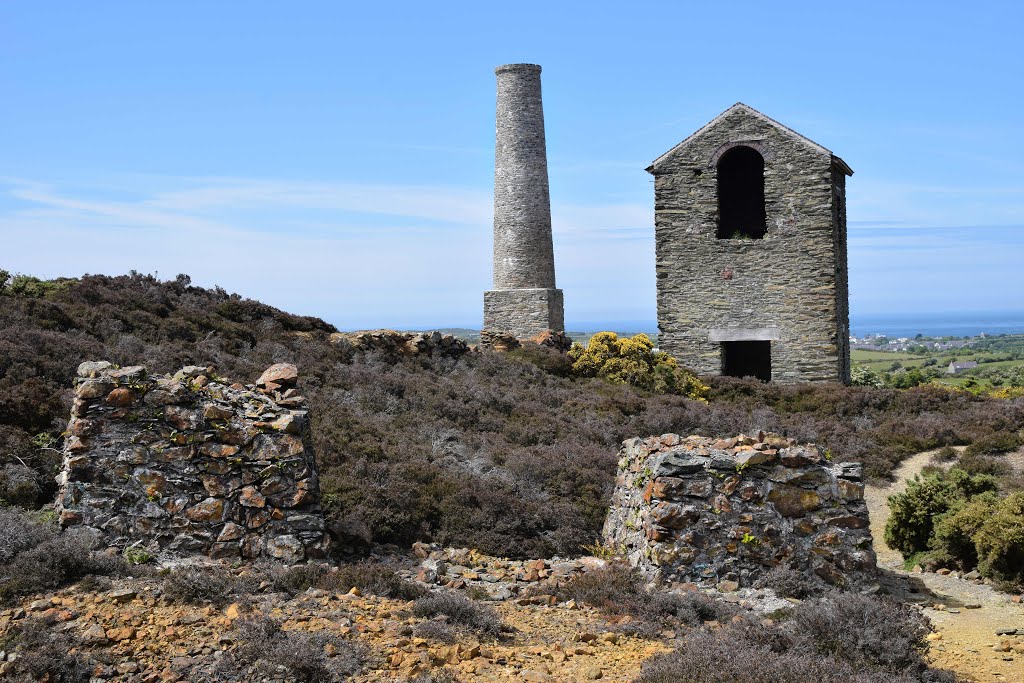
(702, 510)
(789, 288)
(191, 464)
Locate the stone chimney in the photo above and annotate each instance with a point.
(524, 301)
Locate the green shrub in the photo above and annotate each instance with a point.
(1000, 541)
(952, 543)
(634, 361)
(914, 512)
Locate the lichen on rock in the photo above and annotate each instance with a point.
(702, 510)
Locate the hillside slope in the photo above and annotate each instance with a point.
(486, 450)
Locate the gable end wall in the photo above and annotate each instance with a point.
(793, 280)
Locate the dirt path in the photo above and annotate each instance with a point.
(968, 635)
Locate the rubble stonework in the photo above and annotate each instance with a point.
(702, 510)
(393, 343)
(524, 300)
(189, 464)
(788, 288)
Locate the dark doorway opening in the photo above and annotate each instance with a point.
(747, 359)
(741, 212)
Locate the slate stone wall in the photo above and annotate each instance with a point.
(702, 510)
(523, 313)
(794, 280)
(189, 464)
(524, 300)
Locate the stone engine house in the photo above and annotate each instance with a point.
(750, 227)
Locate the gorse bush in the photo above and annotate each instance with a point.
(633, 361)
(915, 511)
(959, 520)
(999, 542)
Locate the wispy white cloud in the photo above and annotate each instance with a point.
(359, 254)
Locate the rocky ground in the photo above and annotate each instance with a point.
(137, 635)
(968, 614)
(142, 637)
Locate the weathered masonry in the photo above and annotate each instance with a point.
(750, 234)
(701, 510)
(524, 301)
(189, 464)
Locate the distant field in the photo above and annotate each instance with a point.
(881, 362)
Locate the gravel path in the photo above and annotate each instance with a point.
(968, 636)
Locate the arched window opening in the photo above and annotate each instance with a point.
(741, 213)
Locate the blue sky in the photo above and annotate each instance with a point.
(336, 159)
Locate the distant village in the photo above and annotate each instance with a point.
(878, 342)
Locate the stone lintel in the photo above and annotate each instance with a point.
(723, 334)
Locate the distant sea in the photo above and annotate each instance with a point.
(956, 324)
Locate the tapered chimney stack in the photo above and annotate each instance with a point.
(524, 300)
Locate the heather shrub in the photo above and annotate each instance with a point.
(861, 630)
(460, 611)
(369, 577)
(841, 638)
(435, 630)
(998, 442)
(297, 655)
(202, 585)
(44, 655)
(19, 485)
(546, 358)
(36, 558)
(975, 463)
(619, 590)
(20, 531)
(790, 583)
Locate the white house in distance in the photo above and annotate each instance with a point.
(955, 367)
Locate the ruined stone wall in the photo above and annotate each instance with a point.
(702, 510)
(191, 464)
(792, 282)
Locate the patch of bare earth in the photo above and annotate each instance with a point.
(966, 613)
(143, 638)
